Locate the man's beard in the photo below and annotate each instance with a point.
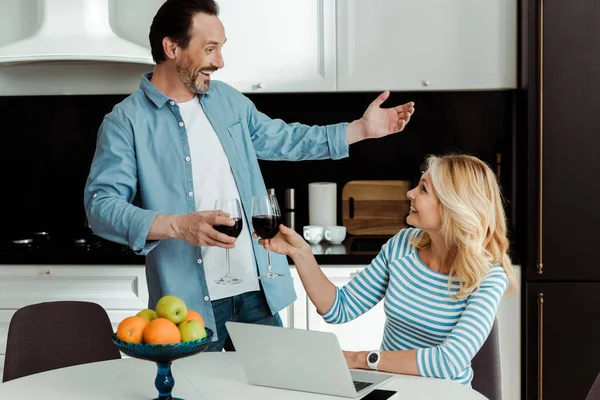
(189, 76)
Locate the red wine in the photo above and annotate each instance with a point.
(234, 230)
(266, 226)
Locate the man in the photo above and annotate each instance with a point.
(168, 151)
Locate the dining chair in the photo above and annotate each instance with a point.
(487, 377)
(52, 335)
(594, 393)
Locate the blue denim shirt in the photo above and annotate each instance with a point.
(141, 168)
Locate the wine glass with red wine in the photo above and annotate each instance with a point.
(266, 218)
(232, 207)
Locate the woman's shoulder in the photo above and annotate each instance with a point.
(400, 244)
(495, 277)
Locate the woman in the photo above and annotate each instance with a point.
(442, 280)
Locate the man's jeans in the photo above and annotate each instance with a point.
(250, 307)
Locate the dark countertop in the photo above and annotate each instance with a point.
(354, 250)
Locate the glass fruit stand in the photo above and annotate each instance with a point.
(163, 355)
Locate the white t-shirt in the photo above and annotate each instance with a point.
(213, 179)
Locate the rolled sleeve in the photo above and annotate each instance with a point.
(337, 140)
(138, 232)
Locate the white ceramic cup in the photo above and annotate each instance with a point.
(313, 233)
(335, 234)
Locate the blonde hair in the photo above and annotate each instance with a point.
(473, 220)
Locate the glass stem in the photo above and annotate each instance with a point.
(227, 262)
(269, 256)
(164, 381)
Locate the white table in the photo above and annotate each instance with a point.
(210, 376)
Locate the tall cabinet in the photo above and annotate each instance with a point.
(560, 155)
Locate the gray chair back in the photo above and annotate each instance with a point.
(594, 393)
(58, 334)
(487, 376)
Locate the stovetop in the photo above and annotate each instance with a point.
(42, 246)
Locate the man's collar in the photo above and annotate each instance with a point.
(156, 96)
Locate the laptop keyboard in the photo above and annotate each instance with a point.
(358, 385)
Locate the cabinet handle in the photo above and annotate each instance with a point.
(426, 82)
(540, 304)
(257, 86)
(499, 165)
(540, 266)
(353, 274)
(49, 272)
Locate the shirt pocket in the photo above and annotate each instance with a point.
(243, 144)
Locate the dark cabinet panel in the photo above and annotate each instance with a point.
(566, 328)
(571, 141)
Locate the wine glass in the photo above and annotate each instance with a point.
(232, 207)
(266, 218)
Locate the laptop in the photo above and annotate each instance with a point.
(299, 359)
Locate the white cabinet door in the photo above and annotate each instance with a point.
(363, 333)
(426, 44)
(294, 316)
(116, 287)
(509, 330)
(279, 46)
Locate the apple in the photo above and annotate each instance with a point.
(191, 330)
(171, 308)
(194, 315)
(147, 314)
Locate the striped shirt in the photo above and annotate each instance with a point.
(421, 310)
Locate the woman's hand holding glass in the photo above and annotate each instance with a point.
(286, 242)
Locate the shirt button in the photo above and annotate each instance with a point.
(187, 159)
(190, 194)
(199, 261)
(181, 124)
(172, 103)
(206, 298)
(95, 195)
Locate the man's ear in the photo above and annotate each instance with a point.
(169, 48)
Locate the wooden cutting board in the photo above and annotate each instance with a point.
(375, 207)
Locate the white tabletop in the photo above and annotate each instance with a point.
(211, 376)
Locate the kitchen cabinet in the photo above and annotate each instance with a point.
(570, 173)
(121, 290)
(327, 45)
(305, 46)
(563, 351)
(279, 46)
(561, 184)
(426, 45)
(294, 316)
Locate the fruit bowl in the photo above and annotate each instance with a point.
(163, 355)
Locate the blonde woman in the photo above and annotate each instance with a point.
(442, 280)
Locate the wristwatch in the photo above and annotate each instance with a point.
(373, 359)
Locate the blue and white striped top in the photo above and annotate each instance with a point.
(421, 312)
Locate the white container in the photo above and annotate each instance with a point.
(322, 203)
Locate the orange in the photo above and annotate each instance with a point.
(161, 331)
(131, 329)
(191, 314)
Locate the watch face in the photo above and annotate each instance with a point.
(373, 357)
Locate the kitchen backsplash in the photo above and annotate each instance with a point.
(48, 143)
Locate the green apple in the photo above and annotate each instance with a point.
(191, 330)
(147, 314)
(171, 308)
